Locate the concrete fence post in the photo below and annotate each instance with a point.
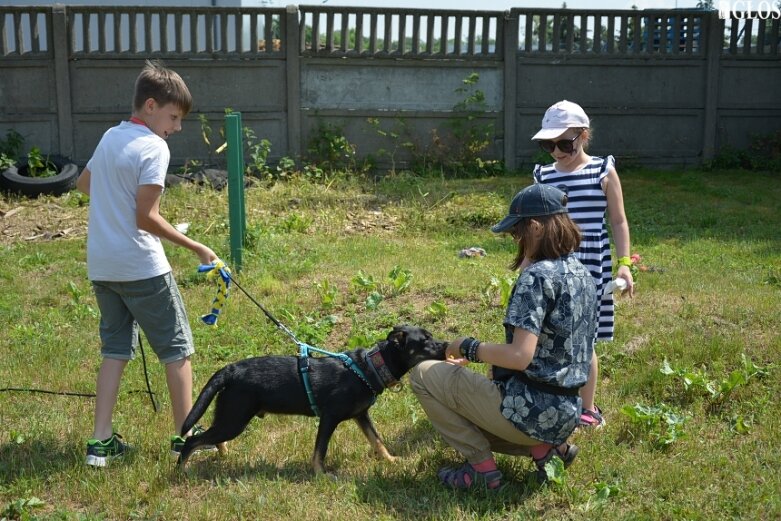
(60, 47)
(510, 57)
(293, 76)
(714, 31)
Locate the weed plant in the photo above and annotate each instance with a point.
(340, 263)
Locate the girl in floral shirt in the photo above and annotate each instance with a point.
(531, 405)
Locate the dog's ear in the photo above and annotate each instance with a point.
(398, 335)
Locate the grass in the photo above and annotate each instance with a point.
(712, 241)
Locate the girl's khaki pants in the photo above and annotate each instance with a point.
(464, 407)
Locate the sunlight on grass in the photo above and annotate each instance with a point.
(706, 308)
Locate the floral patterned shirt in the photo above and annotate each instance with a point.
(555, 300)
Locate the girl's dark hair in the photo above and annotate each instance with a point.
(163, 85)
(559, 236)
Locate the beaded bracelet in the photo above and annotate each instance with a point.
(468, 349)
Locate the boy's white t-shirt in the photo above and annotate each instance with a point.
(128, 155)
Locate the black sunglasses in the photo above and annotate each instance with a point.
(565, 145)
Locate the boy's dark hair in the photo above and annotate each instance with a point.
(559, 236)
(163, 85)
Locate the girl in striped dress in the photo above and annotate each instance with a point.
(593, 187)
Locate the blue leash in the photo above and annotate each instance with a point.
(303, 352)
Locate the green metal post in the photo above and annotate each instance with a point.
(237, 216)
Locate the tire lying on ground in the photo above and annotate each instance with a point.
(15, 180)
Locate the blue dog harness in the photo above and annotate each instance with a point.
(303, 369)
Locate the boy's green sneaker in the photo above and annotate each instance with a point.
(177, 443)
(99, 453)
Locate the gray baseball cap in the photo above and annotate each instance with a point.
(536, 200)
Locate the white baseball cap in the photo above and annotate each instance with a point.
(559, 117)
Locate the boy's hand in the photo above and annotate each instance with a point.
(205, 254)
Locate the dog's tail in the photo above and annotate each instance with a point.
(215, 384)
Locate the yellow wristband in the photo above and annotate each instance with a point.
(624, 261)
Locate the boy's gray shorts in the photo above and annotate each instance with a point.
(153, 304)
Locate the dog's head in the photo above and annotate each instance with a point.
(415, 344)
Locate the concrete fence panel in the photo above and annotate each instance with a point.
(662, 87)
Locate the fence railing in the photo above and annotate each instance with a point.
(185, 32)
(606, 33)
(24, 31)
(393, 33)
(752, 36)
(97, 31)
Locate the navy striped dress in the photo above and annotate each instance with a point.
(587, 206)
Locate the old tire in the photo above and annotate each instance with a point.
(14, 179)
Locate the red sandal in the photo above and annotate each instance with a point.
(567, 456)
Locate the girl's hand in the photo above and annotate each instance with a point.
(624, 273)
(453, 352)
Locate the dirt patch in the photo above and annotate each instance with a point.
(370, 222)
(40, 220)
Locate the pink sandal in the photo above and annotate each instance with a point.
(589, 418)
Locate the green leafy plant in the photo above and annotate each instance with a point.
(364, 339)
(499, 286)
(459, 148)
(81, 308)
(6, 161)
(472, 139)
(330, 150)
(555, 471)
(258, 152)
(363, 282)
(206, 138)
(10, 149)
(253, 235)
(764, 153)
(437, 309)
(400, 279)
(399, 136)
(373, 300)
(718, 390)
(313, 330)
(12, 144)
(663, 423)
(295, 222)
(38, 165)
(20, 508)
(286, 167)
(741, 425)
(327, 293)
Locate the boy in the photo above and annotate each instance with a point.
(126, 262)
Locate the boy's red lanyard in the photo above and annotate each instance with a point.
(137, 121)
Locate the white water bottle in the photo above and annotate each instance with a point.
(615, 284)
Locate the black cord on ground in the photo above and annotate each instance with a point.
(64, 393)
(152, 397)
(146, 375)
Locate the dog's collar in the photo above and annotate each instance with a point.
(377, 364)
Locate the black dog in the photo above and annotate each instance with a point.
(274, 384)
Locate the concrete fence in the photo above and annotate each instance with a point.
(662, 87)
